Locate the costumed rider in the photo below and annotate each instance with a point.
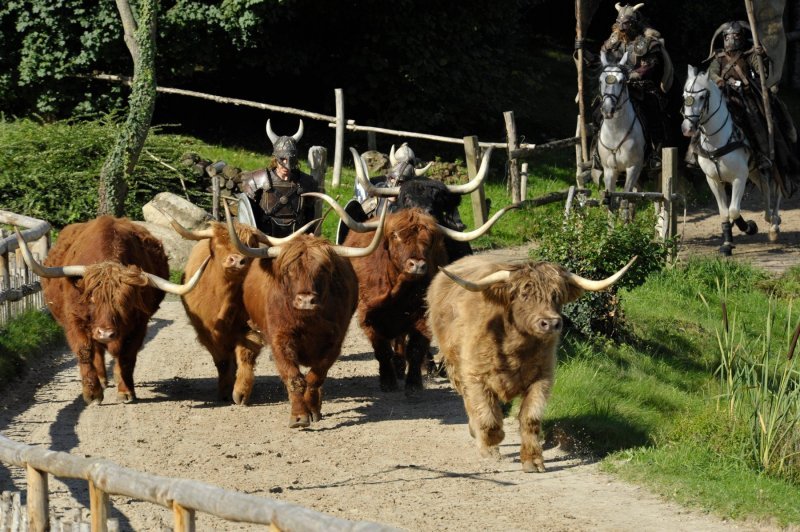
(650, 77)
(734, 68)
(403, 168)
(272, 197)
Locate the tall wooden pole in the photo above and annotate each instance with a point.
(751, 17)
(578, 56)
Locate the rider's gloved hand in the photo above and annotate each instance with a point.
(635, 76)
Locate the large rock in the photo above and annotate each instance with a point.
(176, 247)
(376, 161)
(185, 212)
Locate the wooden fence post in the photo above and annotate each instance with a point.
(38, 507)
(184, 518)
(523, 182)
(372, 143)
(667, 217)
(472, 152)
(318, 161)
(513, 169)
(339, 148)
(98, 505)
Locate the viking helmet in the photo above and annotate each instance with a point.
(734, 37)
(284, 148)
(628, 20)
(403, 153)
(400, 172)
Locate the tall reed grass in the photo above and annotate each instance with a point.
(760, 382)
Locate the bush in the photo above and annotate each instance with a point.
(591, 246)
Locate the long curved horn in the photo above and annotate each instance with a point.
(472, 235)
(352, 252)
(476, 181)
(637, 6)
(421, 171)
(185, 233)
(481, 284)
(42, 271)
(346, 218)
(363, 179)
(617, 6)
(280, 240)
(392, 157)
(297, 136)
(270, 252)
(178, 289)
(594, 286)
(271, 134)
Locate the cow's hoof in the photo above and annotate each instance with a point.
(533, 466)
(299, 422)
(91, 398)
(387, 386)
(490, 453)
(126, 397)
(316, 416)
(752, 228)
(241, 398)
(726, 250)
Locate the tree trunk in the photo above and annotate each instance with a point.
(140, 37)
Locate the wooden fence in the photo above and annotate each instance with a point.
(183, 497)
(19, 287)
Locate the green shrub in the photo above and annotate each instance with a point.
(24, 337)
(589, 245)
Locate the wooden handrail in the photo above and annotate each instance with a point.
(187, 495)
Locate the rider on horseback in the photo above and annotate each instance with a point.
(651, 72)
(734, 69)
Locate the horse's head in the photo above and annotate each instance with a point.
(613, 80)
(698, 92)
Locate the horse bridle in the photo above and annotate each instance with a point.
(688, 101)
(615, 98)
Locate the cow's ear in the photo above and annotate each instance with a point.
(571, 292)
(77, 282)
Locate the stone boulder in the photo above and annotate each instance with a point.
(176, 247)
(376, 161)
(185, 212)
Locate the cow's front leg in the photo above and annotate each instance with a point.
(530, 423)
(84, 350)
(246, 354)
(315, 378)
(285, 355)
(485, 418)
(126, 362)
(383, 353)
(99, 361)
(418, 347)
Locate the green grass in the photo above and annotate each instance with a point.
(24, 338)
(649, 404)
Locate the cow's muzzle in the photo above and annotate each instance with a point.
(550, 325)
(306, 301)
(416, 267)
(104, 335)
(234, 261)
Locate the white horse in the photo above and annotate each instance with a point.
(725, 156)
(621, 142)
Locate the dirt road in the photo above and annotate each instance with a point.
(375, 456)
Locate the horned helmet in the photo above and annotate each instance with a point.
(284, 148)
(629, 21)
(733, 36)
(403, 163)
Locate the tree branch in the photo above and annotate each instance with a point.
(129, 26)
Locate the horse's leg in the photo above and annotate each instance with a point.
(718, 189)
(748, 227)
(775, 217)
(610, 180)
(631, 183)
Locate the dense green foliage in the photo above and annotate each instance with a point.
(595, 246)
(51, 171)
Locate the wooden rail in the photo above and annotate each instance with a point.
(183, 497)
(17, 282)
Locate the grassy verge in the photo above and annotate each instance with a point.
(22, 339)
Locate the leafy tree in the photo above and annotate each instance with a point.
(140, 37)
